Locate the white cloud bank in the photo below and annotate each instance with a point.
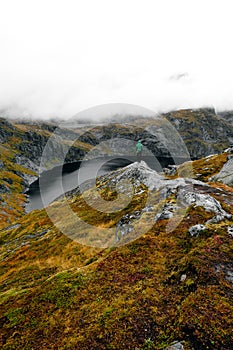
(59, 57)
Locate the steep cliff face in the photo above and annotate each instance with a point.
(226, 115)
(158, 136)
(202, 130)
(28, 141)
(21, 148)
(120, 139)
(33, 143)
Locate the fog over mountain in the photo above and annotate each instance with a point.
(59, 58)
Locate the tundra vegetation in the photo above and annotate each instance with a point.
(161, 287)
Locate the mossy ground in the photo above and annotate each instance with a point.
(203, 169)
(58, 294)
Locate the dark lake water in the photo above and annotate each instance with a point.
(73, 174)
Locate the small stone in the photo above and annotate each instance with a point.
(183, 278)
(229, 276)
(175, 346)
(196, 229)
(230, 231)
(170, 170)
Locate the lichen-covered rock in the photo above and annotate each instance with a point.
(167, 212)
(138, 172)
(206, 201)
(184, 191)
(171, 170)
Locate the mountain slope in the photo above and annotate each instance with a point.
(170, 283)
(163, 273)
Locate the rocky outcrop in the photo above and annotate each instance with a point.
(136, 172)
(208, 202)
(226, 174)
(185, 193)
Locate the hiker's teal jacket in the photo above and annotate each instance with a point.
(139, 147)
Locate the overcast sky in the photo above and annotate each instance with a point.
(59, 57)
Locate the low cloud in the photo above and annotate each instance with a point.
(61, 58)
(179, 76)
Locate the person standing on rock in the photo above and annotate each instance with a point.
(139, 148)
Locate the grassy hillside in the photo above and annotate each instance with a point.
(164, 286)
